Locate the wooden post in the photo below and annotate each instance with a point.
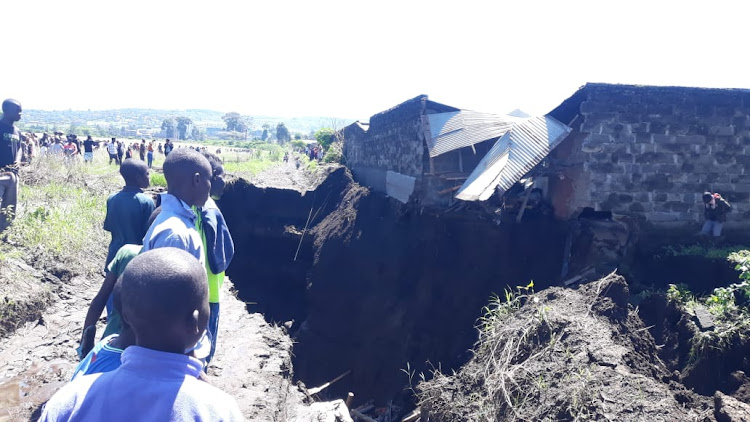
(523, 205)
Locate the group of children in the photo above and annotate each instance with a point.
(165, 268)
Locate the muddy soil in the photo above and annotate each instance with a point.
(253, 363)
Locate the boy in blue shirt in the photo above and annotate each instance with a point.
(188, 176)
(164, 297)
(128, 210)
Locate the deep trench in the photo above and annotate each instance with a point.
(381, 289)
(375, 287)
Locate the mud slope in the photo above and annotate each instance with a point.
(395, 287)
(274, 249)
(566, 354)
(376, 286)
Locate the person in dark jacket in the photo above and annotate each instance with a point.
(715, 211)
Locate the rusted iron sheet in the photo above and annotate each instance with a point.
(521, 148)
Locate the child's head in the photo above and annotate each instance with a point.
(188, 175)
(164, 296)
(217, 174)
(135, 173)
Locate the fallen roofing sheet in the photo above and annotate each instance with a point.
(521, 148)
(463, 128)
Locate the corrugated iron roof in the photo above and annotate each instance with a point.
(463, 128)
(521, 148)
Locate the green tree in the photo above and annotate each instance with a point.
(183, 123)
(196, 134)
(282, 133)
(169, 127)
(324, 137)
(236, 122)
(264, 136)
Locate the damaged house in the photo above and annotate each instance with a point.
(645, 152)
(650, 152)
(423, 151)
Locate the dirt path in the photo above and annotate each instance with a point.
(286, 176)
(253, 362)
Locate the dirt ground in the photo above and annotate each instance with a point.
(253, 363)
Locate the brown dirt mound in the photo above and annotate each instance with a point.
(564, 355)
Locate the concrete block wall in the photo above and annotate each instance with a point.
(392, 142)
(651, 152)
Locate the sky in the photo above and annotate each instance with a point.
(352, 59)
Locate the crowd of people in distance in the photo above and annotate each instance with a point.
(314, 152)
(72, 148)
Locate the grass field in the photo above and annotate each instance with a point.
(62, 205)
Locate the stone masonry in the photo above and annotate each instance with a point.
(391, 142)
(650, 152)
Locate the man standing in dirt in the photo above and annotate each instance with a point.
(10, 158)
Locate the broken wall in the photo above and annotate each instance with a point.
(650, 152)
(391, 155)
(392, 142)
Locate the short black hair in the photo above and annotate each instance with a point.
(707, 197)
(130, 169)
(117, 295)
(153, 215)
(184, 162)
(217, 167)
(10, 105)
(161, 286)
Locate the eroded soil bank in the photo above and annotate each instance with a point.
(376, 287)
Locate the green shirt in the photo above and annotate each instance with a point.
(215, 281)
(121, 260)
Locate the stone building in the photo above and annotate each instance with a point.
(421, 150)
(650, 152)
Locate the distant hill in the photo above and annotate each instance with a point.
(137, 118)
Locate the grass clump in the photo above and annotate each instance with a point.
(62, 204)
(706, 251)
(496, 383)
(60, 220)
(729, 305)
(158, 179)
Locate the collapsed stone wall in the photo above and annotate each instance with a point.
(650, 152)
